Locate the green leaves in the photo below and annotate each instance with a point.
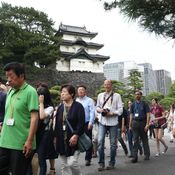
(156, 16)
(27, 35)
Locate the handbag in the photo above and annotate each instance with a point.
(164, 125)
(84, 142)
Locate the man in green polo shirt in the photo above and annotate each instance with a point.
(17, 137)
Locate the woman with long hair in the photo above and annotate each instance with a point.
(158, 120)
(46, 110)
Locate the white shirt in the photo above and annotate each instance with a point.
(49, 111)
(114, 104)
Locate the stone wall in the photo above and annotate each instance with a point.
(52, 77)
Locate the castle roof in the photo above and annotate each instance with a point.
(79, 41)
(82, 54)
(74, 30)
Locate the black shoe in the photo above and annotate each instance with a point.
(88, 163)
(110, 167)
(130, 156)
(134, 160)
(141, 152)
(101, 167)
(126, 152)
(146, 158)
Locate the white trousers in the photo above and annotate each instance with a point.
(69, 165)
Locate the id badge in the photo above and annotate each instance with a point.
(10, 122)
(64, 127)
(136, 115)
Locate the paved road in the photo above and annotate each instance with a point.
(164, 164)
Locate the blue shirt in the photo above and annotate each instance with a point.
(139, 109)
(89, 108)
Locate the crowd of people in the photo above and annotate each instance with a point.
(33, 130)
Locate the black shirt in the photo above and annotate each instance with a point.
(2, 105)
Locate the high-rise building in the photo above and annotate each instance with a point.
(163, 79)
(114, 71)
(153, 81)
(149, 79)
(120, 71)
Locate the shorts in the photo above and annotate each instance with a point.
(157, 126)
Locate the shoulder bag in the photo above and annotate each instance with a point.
(84, 142)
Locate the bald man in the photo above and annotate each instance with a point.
(109, 107)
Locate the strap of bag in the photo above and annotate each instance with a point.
(107, 99)
(65, 118)
(69, 125)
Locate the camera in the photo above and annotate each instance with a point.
(105, 111)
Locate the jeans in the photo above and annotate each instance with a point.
(101, 140)
(42, 150)
(88, 155)
(120, 139)
(130, 141)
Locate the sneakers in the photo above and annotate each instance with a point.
(94, 155)
(165, 150)
(110, 167)
(52, 172)
(101, 167)
(157, 154)
(88, 163)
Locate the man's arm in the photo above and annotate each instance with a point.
(119, 105)
(99, 105)
(130, 121)
(33, 127)
(147, 121)
(147, 117)
(92, 111)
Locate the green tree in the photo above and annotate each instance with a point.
(152, 95)
(166, 102)
(135, 83)
(156, 16)
(55, 94)
(172, 90)
(27, 35)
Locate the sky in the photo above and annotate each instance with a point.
(123, 40)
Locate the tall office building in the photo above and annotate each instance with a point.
(149, 79)
(114, 71)
(153, 81)
(163, 79)
(120, 71)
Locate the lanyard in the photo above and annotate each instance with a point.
(136, 107)
(12, 103)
